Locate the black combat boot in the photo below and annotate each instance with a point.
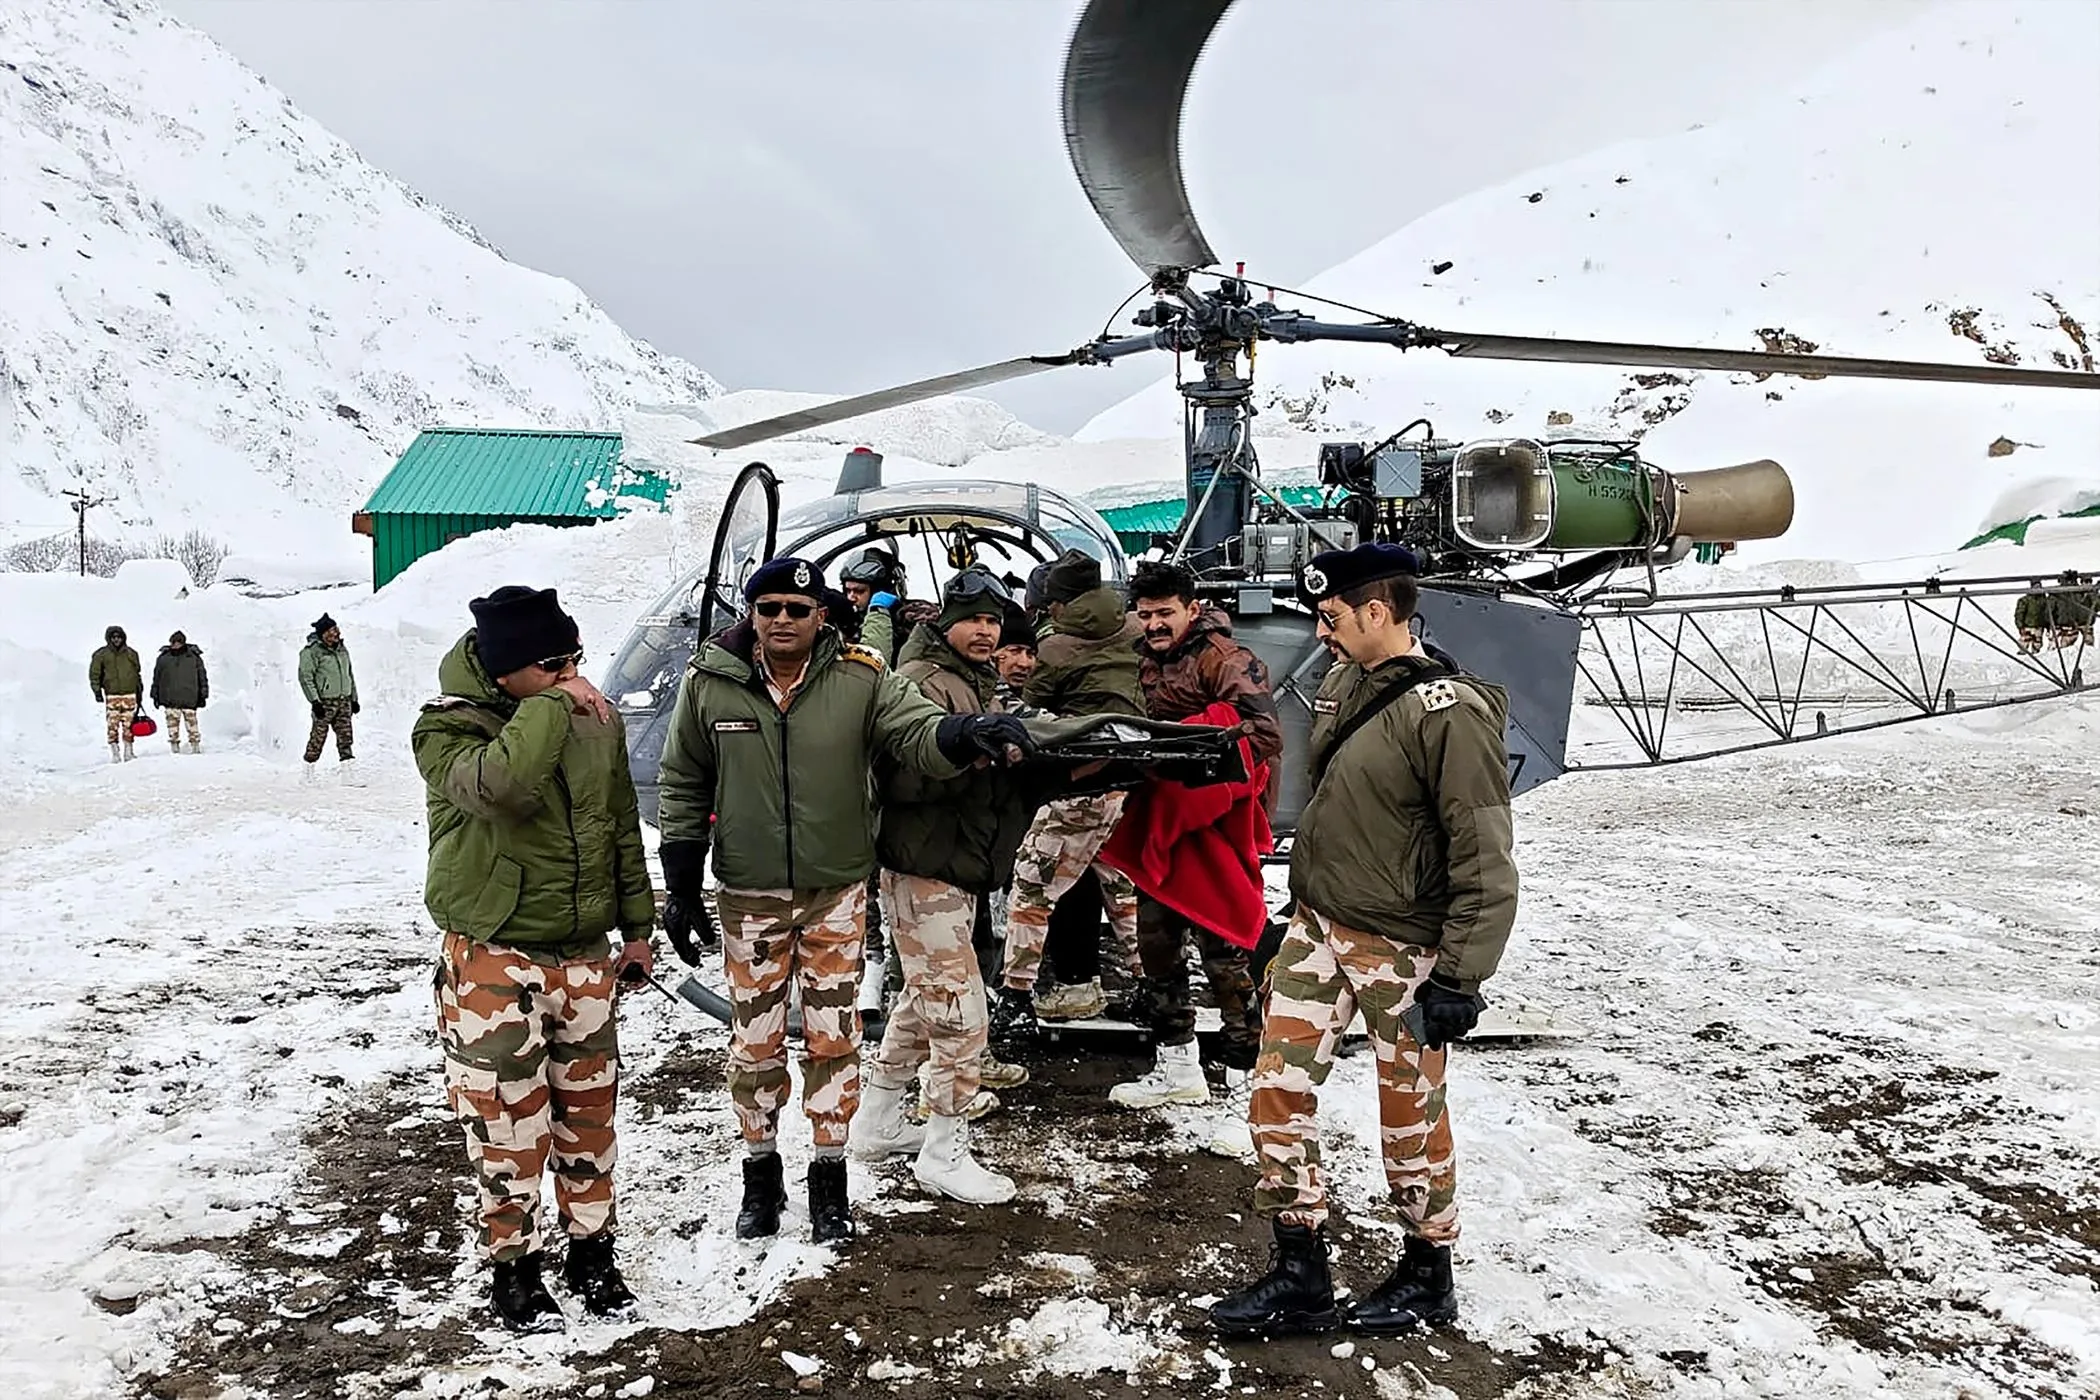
(1013, 1017)
(593, 1276)
(830, 1219)
(1419, 1293)
(1295, 1295)
(764, 1196)
(521, 1299)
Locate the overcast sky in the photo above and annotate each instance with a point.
(840, 194)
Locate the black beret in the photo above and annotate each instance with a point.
(786, 575)
(1339, 570)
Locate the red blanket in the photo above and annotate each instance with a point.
(1198, 850)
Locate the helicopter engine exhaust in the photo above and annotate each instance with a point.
(1517, 494)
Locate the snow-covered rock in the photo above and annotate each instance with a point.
(1928, 197)
(217, 314)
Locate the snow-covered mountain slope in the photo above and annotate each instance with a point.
(216, 313)
(1931, 196)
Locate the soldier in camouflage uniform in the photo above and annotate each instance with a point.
(1085, 666)
(181, 687)
(1406, 893)
(115, 678)
(767, 762)
(943, 845)
(330, 687)
(535, 857)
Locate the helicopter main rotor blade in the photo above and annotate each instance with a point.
(1126, 72)
(1607, 352)
(1098, 352)
(841, 409)
(1546, 350)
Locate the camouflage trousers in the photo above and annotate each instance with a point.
(117, 713)
(335, 714)
(1320, 978)
(940, 1019)
(532, 1071)
(1163, 939)
(176, 719)
(814, 938)
(1061, 843)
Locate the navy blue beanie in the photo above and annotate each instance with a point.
(1339, 570)
(786, 575)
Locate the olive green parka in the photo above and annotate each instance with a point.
(1407, 833)
(535, 837)
(1087, 665)
(787, 797)
(114, 670)
(963, 830)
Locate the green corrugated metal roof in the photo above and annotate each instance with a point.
(513, 472)
(1135, 525)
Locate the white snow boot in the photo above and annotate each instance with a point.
(115, 755)
(128, 753)
(1176, 1077)
(946, 1168)
(880, 1130)
(1232, 1137)
(306, 772)
(196, 746)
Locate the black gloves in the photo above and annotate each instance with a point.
(687, 919)
(963, 739)
(317, 709)
(355, 707)
(1445, 1012)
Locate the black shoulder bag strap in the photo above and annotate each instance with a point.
(1371, 711)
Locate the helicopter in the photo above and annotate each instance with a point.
(1526, 543)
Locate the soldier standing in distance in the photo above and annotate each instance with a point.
(1407, 757)
(776, 726)
(114, 678)
(1188, 662)
(181, 687)
(535, 856)
(944, 844)
(330, 687)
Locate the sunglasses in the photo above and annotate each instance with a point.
(556, 663)
(774, 607)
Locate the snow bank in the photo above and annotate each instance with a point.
(1924, 198)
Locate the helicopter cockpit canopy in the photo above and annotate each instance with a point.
(934, 528)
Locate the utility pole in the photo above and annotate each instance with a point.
(82, 503)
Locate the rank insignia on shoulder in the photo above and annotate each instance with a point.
(866, 656)
(1438, 695)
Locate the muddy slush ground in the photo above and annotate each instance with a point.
(930, 1289)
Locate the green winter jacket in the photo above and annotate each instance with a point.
(1407, 833)
(1088, 664)
(114, 671)
(535, 838)
(787, 798)
(179, 681)
(324, 671)
(964, 830)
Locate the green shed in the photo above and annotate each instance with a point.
(1135, 525)
(454, 482)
